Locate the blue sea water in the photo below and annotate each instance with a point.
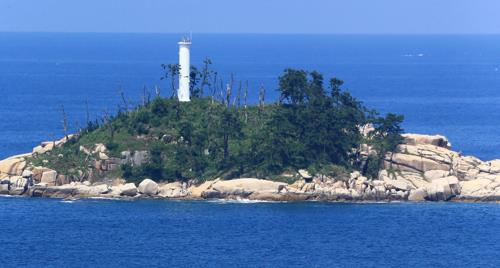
(101, 233)
(446, 85)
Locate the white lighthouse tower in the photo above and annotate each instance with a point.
(185, 66)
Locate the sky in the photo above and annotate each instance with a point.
(253, 16)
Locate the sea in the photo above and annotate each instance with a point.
(442, 84)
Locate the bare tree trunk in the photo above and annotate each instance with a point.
(87, 112)
(65, 122)
(229, 90)
(245, 101)
(124, 101)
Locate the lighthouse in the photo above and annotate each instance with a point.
(184, 69)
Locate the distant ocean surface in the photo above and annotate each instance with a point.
(446, 85)
(100, 233)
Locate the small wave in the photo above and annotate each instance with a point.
(241, 201)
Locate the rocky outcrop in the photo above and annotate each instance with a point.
(173, 190)
(423, 169)
(148, 187)
(244, 188)
(419, 139)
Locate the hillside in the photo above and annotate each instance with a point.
(311, 126)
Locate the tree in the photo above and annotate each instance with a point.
(194, 78)
(384, 138)
(292, 86)
(172, 73)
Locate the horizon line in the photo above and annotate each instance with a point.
(247, 33)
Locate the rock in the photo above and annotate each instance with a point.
(139, 158)
(397, 184)
(407, 162)
(99, 148)
(463, 164)
(417, 195)
(473, 186)
(4, 189)
(436, 140)
(442, 189)
(128, 189)
(62, 179)
(492, 166)
(148, 187)
(43, 147)
(431, 175)
(471, 174)
(305, 174)
(18, 182)
(12, 166)
(414, 179)
(38, 172)
(103, 156)
(354, 175)
(339, 185)
(99, 190)
(172, 190)
(197, 191)
(85, 150)
(27, 174)
(246, 187)
(49, 177)
(86, 183)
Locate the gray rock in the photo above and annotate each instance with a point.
(49, 177)
(417, 195)
(128, 189)
(148, 187)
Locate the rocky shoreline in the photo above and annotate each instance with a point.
(424, 169)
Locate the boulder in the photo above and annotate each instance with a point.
(139, 158)
(148, 187)
(463, 164)
(49, 177)
(13, 166)
(431, 175)
(128, 189)
(38, 172)
(355, 175)
(4, 189)
(27, 173)
(99, 190)
(18, 182)
(172, 190)
(417, 195)
(197, 191)
(246, 187)
(305, 174)
(436, 140)
(473, 186)
(103, 156)
(442, 189)
(408, 162)
(99, 148)
(399, 184)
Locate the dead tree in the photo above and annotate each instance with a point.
(245, 101)
(64, 122)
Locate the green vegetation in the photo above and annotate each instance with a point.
(312, 126)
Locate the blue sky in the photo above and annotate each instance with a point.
(253, 16)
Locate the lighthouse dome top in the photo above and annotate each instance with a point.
(185, 41)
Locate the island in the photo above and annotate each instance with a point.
(315, 142)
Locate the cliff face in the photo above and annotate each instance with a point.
(424, 168)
